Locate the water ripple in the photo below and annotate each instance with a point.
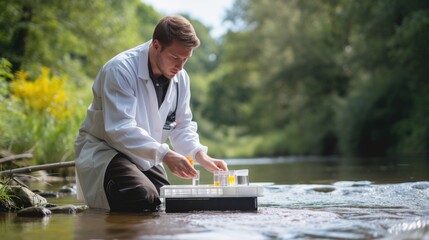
(341, 210)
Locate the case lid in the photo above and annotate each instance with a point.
(189, 191)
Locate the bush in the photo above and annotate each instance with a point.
(39, 115)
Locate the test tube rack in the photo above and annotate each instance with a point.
(187, 198)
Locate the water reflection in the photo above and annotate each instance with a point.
(352, 211)
(99, 224)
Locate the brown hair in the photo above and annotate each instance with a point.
(175, 28)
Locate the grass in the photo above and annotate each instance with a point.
(6, 201)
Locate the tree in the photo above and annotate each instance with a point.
(80, 35)
(285, 79)
(387, 112)
(329, 77)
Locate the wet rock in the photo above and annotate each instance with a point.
(353, 183)
(421, 185)
(50, 205)
(34, 212)
(49, 194)
(24, 197)
(81, 208)
(70, 189)
(324, 189)
(67, 209)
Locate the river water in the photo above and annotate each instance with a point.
(304, 198)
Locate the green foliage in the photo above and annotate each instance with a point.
(290, 77)
(74, 39)
(390, 88)
(277, 83)
(227, 141)
(326, 77)
(6, 201)
(205, 58)
(5, 76)
(49, 33)
(201, 64)
(50, 139)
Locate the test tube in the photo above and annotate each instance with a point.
(216, 181)
(220, 178)
(231, 177)
(196, 180)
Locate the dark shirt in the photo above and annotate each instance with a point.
(160, 84)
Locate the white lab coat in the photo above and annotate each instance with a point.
(124, 117)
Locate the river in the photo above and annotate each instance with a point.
(304, 198)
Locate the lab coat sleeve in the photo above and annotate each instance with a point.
(184, 138)
(119, 111)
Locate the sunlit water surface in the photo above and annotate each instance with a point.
(324, 206)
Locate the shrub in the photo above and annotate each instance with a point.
(40, 115)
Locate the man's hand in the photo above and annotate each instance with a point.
(179, 165)
(209, 163)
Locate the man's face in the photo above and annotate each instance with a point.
(170, 60)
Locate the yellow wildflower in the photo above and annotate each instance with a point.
(45, 94)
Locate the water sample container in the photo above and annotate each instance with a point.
(196, 180)
(231, 178)
(220, 178)
(242, 177)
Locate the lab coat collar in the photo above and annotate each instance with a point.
(143, 71)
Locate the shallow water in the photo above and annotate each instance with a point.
(326, 200)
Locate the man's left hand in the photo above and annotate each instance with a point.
(209, 163)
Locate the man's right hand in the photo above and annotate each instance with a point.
(179, 165)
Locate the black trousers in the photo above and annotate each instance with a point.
(129, 189)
